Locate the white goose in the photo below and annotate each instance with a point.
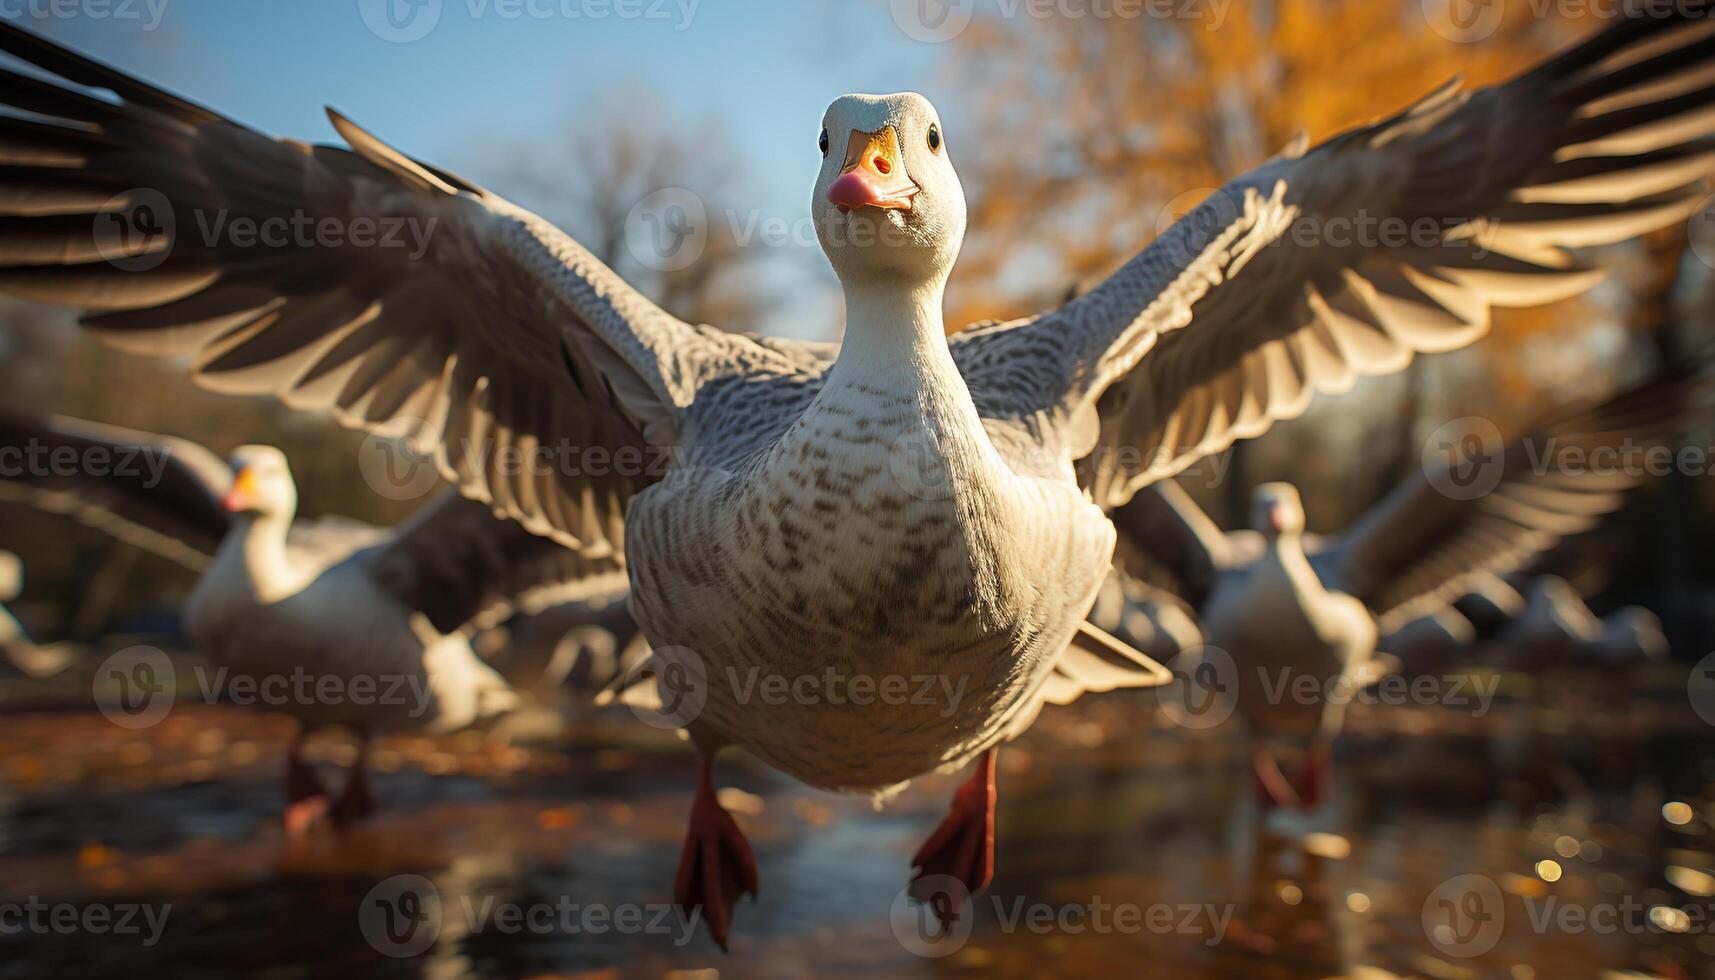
(1556, 627)
(903, 504)
(36, 662)
(351, 625)
(1287, 609)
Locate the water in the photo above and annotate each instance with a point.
(1125, 848)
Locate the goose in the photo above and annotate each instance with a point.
(1553, 627)
(1556, 628)
(1151, 620)
(582, 644)
(376, 617)
(1428, 643)
(11, 586)
(36, 661)
(910, 502)
(1295, 609)
(1631, 635)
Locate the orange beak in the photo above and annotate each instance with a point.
(873, 175)
(242, 496)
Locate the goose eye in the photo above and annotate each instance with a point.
(823, 142)
(935, 139)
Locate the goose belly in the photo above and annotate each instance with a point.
(1289, 663)
(857, 628)
(331, 654)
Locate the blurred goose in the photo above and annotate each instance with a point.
(11, 586)
(576, 643)
(1152, 620)
(1288, 612)
(1426, 644)
(901, 505)
(35, 661)
(1553, 627)
(1631, 635)
(1556, 628)
(376, 615)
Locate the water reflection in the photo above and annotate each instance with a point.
(1564, 833)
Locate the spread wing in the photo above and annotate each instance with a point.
(1393, 239)
(353, 280)
(1166, 540)
(463, 567)
(1451, 530)
(156, 492)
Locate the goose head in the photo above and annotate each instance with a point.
(888, 207)
(261, 484)
(1277, 511)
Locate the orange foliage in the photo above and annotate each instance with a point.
(1117, 126)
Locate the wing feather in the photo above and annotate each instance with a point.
(396, 296)
(1390, 240)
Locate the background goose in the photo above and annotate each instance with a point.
(1292, 611)
(1152, 620)
(1428, 643)
(583, 644)
(331, 600)
(11, 585)
(22, 652)
(901, 505)
(1556, 628)
(15, 643)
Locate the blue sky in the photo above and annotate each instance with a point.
(494, 74)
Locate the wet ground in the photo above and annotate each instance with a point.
(1565, 833)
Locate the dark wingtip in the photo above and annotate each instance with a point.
(35, 49)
